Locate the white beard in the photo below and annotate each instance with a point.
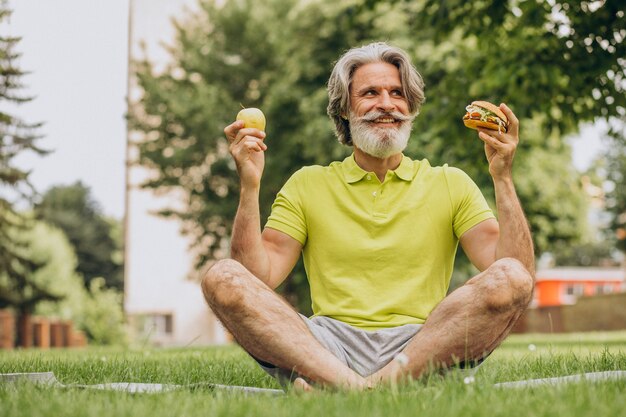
(380, 142)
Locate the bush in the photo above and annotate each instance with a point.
(97, 311)
(102, 316)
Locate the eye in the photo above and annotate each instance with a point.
(370, 93)
(397, 93)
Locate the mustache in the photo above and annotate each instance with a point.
(373, 115)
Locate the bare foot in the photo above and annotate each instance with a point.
(391, 374)
(300, 385)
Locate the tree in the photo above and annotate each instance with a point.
(616, 177)
(227, 55)
(16, 137)
(183, 111)
(19, 288)
(557, 64)
(73, 210)
(96, 310)
(562, 59)
(598, 245)
(50, 247)
(587, 254)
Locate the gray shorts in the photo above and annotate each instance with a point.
(363, 351)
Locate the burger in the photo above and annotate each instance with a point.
(487, 115)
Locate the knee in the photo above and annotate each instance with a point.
(221, 283)
(508, 285)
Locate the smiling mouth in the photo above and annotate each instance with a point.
(384, 120)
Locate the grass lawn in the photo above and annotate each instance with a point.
(520, 357)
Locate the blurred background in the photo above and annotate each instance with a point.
(117, 190)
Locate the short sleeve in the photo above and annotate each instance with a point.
(287, 214)
(468, 203)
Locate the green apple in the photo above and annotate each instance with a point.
(252, 117)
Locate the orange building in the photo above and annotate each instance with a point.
(563, 285)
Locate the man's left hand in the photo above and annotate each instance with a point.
(500, 146)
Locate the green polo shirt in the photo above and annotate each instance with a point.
(378, 254)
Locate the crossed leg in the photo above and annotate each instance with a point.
(268, 328)
(468, 324)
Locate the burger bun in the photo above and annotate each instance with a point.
(475, 124)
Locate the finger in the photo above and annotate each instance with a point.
(244, 133)
(249, 143)
(494, 134)
(490, 139)
(503, 137)
(255, 145)
(513, 121)
(244, 153)
(232, 130)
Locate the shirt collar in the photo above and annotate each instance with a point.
(354, 173)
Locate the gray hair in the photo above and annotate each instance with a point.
(343, 72)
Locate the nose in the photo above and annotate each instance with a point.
(384, 101)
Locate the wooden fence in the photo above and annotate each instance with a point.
(39, 332)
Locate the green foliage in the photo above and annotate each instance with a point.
(97, 310)
(598, 244)
(556, 64)
(616, 176)
(73, 210)
(102, 317)
(16, 137)
(589, 254)
(550, 190)
(49, 246)
(184, 110)
(564, 59)
(499, 51)
(20, 284)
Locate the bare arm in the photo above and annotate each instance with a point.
(269, 256)
(515, 240)
(510, 236)
(480, 243)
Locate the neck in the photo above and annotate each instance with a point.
(378, 166)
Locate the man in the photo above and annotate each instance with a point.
(378, 233)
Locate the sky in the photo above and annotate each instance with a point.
(76, 56)
(76, 52)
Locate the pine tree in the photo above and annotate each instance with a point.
(17, 289)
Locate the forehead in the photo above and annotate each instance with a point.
(376, 74)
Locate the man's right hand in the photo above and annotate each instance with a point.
(247, 148)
